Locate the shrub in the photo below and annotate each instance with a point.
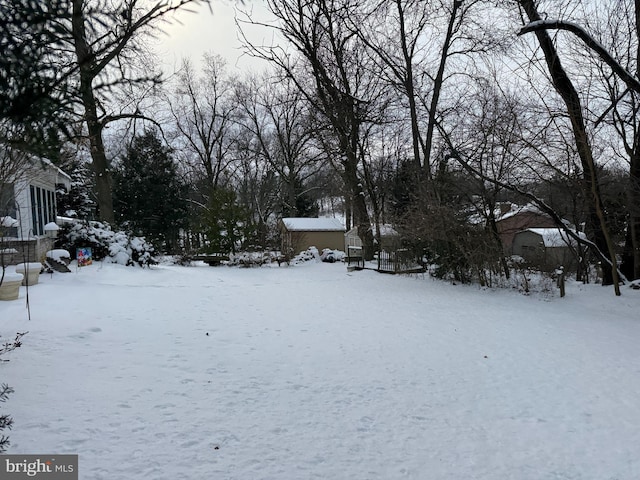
(116, 247)
(6, 422)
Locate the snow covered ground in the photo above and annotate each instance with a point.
(313, 372)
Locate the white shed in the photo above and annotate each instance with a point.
(389, 238)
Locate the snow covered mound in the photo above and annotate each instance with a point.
(310, 255)
(331, 256)
(116, 247)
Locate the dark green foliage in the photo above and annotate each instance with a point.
(81, 234)
(116, 247)
(149, 195)
(404, 188)
(225, 223)
(306, 206)
(79, 201)
(6, 422)
(33, 75)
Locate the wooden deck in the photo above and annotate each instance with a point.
(396, 262)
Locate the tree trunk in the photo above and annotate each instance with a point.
(495, 235)
(85, 59)
(409, 87)
(435, 98)
(567, 91)
(631, 258)
(634, 174)
(361, 218)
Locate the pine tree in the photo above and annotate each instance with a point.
(306, 206)
(150, 197)
(225, 222)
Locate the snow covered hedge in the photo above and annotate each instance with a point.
(116, 247)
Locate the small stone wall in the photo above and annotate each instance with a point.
(33, 250)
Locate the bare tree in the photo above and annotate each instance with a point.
(103, 39)
(393, 31)
(567, 91)
(330, 70)
(204, 115)
(413, 44)
(276, 115)
(612, 46)
(258, 188)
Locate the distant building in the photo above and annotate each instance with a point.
(298, 234)
(546, 248)
(389, 238)
(514, 219)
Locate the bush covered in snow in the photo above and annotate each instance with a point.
(116, 247)
(252, 259)
(311, 254)
(331, 256)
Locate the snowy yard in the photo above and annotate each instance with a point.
(312, 372)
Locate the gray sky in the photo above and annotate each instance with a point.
(192, 34)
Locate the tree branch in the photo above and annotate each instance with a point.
(454, 154)
(632, 82)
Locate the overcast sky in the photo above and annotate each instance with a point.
(211, 28)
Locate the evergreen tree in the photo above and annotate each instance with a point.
(225, 222)
(306, 206)
(33, 74)
(149, 195)
(78, 202)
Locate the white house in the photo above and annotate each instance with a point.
(28, 208)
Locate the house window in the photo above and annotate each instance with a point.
(43, 208)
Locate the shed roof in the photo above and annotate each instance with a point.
(299, 224)
(554, 237)
(386, 230)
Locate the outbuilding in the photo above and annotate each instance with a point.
(389, 238)
(513, 219)
(546, 248)
(298, 234)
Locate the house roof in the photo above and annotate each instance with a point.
(554, 237)
(297, 224)
(53, 167)
(517, 210)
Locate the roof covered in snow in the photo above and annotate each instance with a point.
(554, 237)
(298, 224)
(518, 210)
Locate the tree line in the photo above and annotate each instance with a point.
(426, 115)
